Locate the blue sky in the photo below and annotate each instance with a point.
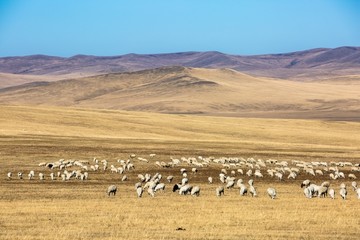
(115, 27)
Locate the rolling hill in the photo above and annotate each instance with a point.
(223, 92)
(309, 65)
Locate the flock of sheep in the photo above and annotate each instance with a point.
(229, 175)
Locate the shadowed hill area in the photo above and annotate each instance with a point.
(309, 64)
(199, 91)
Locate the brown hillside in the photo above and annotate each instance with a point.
(194, 90)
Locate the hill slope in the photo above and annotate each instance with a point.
(195, 90)
(311, 64)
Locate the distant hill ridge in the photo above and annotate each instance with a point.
(314, 63)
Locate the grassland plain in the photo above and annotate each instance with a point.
(81, 210)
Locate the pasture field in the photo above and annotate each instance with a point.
(34, 209)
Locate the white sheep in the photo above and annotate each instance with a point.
(271, 192)
(137, 185)
(305, 183)
(195, 191)
(279, 175)
(170, 178)
(230, 184)
(52, 176)
(184, 181)
(343, 193)
(124, 178)
(160, 186)
(252, 191)
(20, 175)
(219, 191)
(354, 185)
(358, 193)
(9, 175)
(139, 192)
(111, 190)
(352, 176)
(41, 176)
(322, 191)
(258, 174)
(185, 189)
(308, 192)
(243, 190)
(210, 180)
(331, 193)
(239, 182)
(194, 170)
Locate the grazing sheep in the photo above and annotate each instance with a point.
(222, 177)
(325, 184)
(252, 191)
(354, 185)
(352, 176)
(308, 192)
(30, 176)
(343, 193)
(239, 182)
(185, 189)
(243, 190)
(52, 176)
(322, 191)
(258, 174)
(219, 190)
(230, 184)
(111, 190)
(176, 187)
(9, 175)
(279, 175)
(358, 193)
(139, 192)
(210, 180)
(251, 182)
(160, 186)
(184, 181)
(305, 183)
(271, 192)
(194, 170)
(124, 178)
(41, 176)
(20, 175)
(151, 192)
(195, 191)
(137, 185)
(292, 175)
(170, 178)
(183, 170)
(331, 193)
(150, 184)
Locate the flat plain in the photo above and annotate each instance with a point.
(74, 209)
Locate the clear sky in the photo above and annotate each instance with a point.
(115, 27)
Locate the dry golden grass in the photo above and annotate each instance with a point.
(81, 210)
(194, 90)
